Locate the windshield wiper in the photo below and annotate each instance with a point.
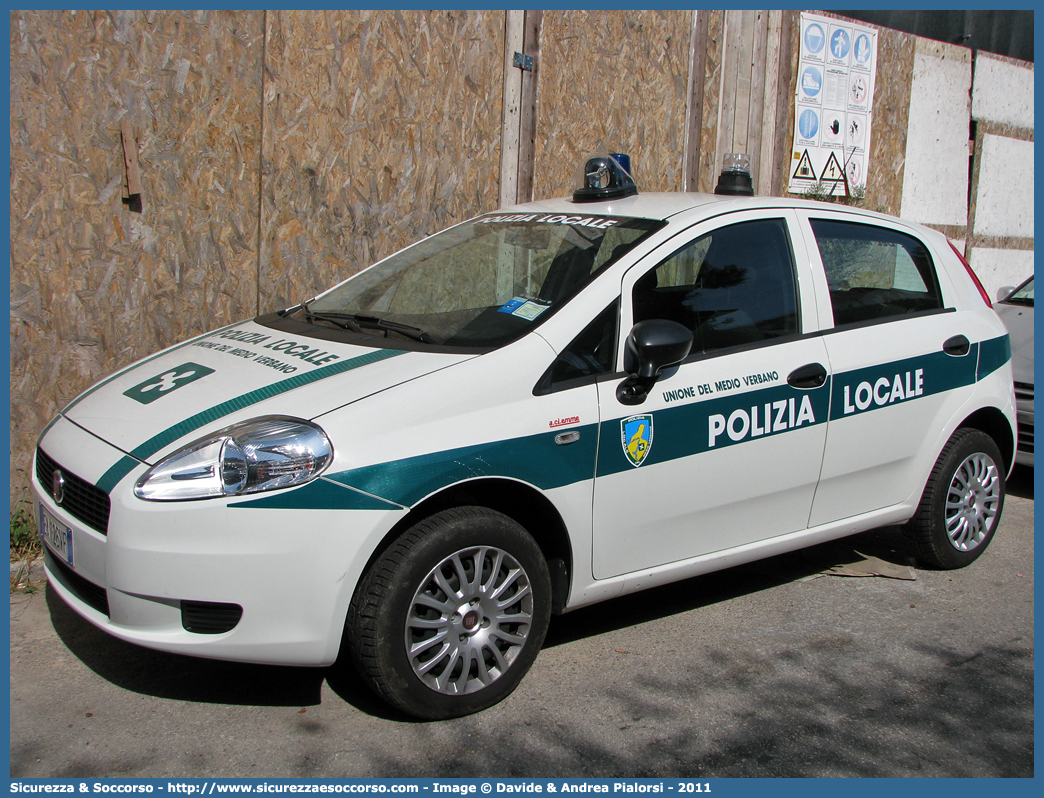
(416, 333)
(343, 320)
(358, 323)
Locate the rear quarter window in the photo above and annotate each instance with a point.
(874, 273)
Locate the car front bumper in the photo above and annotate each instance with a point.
(161, 568)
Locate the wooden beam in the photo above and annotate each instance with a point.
(767, 160)
(131, 175)
(758, 78)
(694, 102)
(744, 56)
(528, 115)
(514, 34)
(727, 96)
(789, 27)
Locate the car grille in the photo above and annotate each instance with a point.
(85, 590)
(209, 617)
(82, 499)
(1025, 437)
(1024, 393)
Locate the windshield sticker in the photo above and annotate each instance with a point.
(523, 308)
(596, 222)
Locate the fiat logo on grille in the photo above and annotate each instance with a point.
(57, 486)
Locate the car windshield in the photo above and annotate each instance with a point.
(482, 283)
(1024, 294)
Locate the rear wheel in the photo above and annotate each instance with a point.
(962, 502)
(453, 614)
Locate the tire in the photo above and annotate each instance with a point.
(470, 648)
(962, 502)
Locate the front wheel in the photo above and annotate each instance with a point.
(452, 615)
(962, 502)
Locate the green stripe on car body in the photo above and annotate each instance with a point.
(320, 494)
(992, 355)
(536, 460)
(154, 444)
(539, 461)
(867, 389)
(121, 372)
(685, 430)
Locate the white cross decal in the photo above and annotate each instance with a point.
(168, 381)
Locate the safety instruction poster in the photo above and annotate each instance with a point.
(835, 97)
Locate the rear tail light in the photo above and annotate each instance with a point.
(975, 279)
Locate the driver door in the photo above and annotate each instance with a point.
(727, 447)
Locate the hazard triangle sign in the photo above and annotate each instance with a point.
(832, 172)
(804, 169)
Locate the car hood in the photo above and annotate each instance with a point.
(239, 372)
(1019, 321)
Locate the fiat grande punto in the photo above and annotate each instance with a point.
(532, 411)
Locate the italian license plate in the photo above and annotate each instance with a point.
(56, 536)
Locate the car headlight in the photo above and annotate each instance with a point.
(262, 454)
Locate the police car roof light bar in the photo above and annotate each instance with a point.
(735, 179)
(604, 177)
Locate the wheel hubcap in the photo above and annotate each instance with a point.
(468, 620)
(972, 502)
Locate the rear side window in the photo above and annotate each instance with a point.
(875, 274)
(732, 286)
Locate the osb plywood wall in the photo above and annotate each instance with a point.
(612, 82)
(282, 151)
(377, 128)
(895, 59)
(380, 128)
(94, 285)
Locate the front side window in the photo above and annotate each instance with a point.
(875, 274)
(732, 286)
(590, 354)
(482, 283)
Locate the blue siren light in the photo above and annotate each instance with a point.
(604, 177)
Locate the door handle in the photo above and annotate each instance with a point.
(958, 346)
(807, 377)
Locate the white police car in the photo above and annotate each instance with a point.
(532, 411)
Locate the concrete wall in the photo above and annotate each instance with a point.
(937, 136)
(1000, 247)
(969, 157)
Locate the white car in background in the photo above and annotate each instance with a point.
(1015, 307)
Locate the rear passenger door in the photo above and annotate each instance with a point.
(727, 447)
(900, 364)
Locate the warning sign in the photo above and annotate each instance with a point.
(834, 100)
(804, 169)
(833, 172)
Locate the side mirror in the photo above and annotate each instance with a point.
(1003, 291)
(652, 346)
